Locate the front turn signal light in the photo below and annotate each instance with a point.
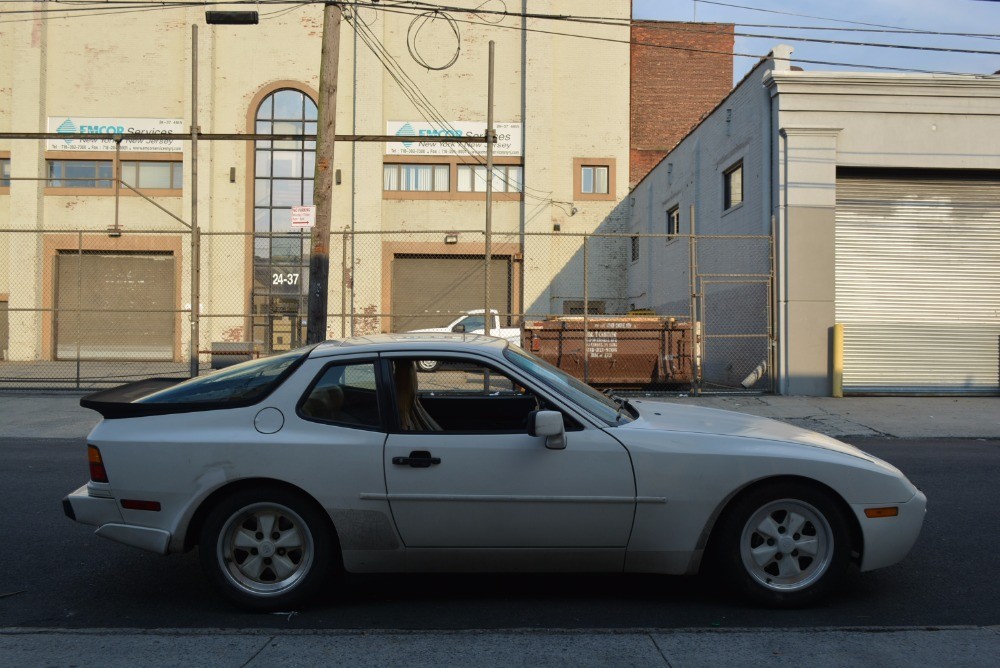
(874, 513)
(97, 471)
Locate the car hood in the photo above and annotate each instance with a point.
(663, 416)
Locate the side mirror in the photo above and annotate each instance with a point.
(458, 329)
(548, 424)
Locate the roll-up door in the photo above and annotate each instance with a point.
(4, 326)
(918, 281)
(115, 306)
(428, 289)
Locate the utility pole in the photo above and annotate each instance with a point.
(490, 133)
(195, 231)
(319, 248)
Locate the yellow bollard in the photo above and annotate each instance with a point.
(838, 360)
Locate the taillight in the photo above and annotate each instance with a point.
(97, 472)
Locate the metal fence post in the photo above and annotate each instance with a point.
(586, 311)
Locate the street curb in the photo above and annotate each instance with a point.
(21, 630)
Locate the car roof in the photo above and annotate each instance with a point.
(423, 341)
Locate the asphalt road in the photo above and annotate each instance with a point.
(57, 574)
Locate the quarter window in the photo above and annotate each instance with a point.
(733, 185)
(345, 394)
(4, 172)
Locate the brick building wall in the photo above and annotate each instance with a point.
(671, 88)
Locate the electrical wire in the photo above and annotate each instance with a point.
(622, 22)
(755, 56)
(417, 24)
(138, 5)
(430, 114)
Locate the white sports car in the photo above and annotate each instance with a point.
(287, 469)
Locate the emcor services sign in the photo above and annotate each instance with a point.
(508, 138)
(90, 125)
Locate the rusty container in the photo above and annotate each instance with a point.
(620, 350)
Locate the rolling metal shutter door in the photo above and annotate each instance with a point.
(918, 284)
(4, 328)
(428, 289)
(126, 306)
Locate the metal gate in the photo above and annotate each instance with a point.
(732, 303)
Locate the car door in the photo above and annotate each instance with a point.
(480, 481)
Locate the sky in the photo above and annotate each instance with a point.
(961, 16)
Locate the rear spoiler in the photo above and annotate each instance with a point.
(118, 402)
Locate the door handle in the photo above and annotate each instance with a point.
(418, 459)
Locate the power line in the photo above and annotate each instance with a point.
(755, 56)
(426, 108)
(613, 21)
(408, 8)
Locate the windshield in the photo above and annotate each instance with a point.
(577, 391)
(241, 383)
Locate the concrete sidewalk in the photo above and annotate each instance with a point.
(60, 415)
(886, 648)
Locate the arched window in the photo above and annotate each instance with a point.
(283, 178)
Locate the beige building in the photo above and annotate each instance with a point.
(407, 248)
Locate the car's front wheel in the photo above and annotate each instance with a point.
(267, 549)
(784, 545)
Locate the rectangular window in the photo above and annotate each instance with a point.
(673, 222)
(416, 177)
(80, 173)
(733, 184)
(4, 172)
(153, 174)
(594, 180)
(506, 178)
(635, 248)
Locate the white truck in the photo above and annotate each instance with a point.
(470, 322)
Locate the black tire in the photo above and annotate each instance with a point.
(278, 571)
(783, 545)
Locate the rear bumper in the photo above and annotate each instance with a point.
(889, 539)
(103, 513)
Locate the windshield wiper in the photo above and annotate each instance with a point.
(621, 401)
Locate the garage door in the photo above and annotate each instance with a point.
(4, 328)
(115, 306)
(427, 289)
(918, 281)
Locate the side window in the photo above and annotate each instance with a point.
(344, 394)
(472, 322)
(462, 396)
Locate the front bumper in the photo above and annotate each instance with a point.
(104, 513)
(888, 539)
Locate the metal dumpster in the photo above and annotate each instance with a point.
(227, 353)
(620, 350)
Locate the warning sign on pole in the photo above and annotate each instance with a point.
(303, 216)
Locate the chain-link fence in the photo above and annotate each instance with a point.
(85, 309)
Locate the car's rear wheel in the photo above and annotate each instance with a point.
(267, 549)
(428, 366)
(784, 545)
